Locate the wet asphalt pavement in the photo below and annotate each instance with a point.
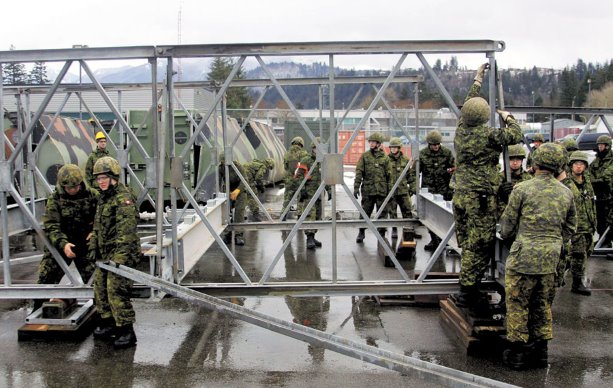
(181, 345)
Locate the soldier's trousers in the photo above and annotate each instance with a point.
(475, 221)
(238, 207)
(291, 185)
(581, 248)
(50, 272)
(314, 214)
(368, 204)
(403, 202)
(112, 295)
(528, 300)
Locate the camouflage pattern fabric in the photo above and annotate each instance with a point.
(401, 197)
(516, 177)
(309, 190)
(115, 239)
(255, 174)
(292, 157)
(476, 184)
(433, 167)
(582, 241)
(237, 207)
(601, 177)
(68, 219)
(89, 166)
(372, 180)
(528, 306)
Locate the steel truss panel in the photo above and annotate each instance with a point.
(73, 54)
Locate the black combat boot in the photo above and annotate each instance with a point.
(538, 356)
(105, 329)
(433, 244)
(515, 356)
(579, 288)
(317, 242)
(227, 238)
(394, 232)
(126, 337)
(467, 297)
(360, 237)
(311, 241)
(238, 240)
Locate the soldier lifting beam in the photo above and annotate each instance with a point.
(408, 365)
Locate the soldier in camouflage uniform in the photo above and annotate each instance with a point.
(478, 149)
(436, 164)
(114, 241)
(291, 159)
(68, 221)
(517, 154)
(256, 173)
(601, 177)
(98, 153)
(309, 190)
(537, 141)
(372, 179)
(582, 241)
(540, 216)
(401, 197)
(238, 199)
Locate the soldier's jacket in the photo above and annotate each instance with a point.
(235, 180)
(584, 204)
(89, 166)
(541, 214)
(397, 164)
(255, 173)
(313, 180)
(292, 157)
(372, 174)
(601, 175)
(433, 167)
(478, 152)
(70, 218)
(516, 177)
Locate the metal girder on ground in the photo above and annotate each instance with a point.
(17, 220)
(409, 365)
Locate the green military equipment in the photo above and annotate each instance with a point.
(579, 156)
(475, 111)
(298, 140)
(517, 151)
(70, 175)
(434, 137)
(107, 165)
(604, 139)
(570, 145)
(395, 142)
(376, 136)
(538, 137)
(269, 163)
(550, 156)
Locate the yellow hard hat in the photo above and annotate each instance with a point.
(100, 135)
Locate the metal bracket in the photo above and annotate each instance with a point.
(332, 169)
(5, 175)
(176, 172)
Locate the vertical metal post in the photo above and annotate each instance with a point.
(170, 122)
(215, 150)
(30, 158)
(3, 194)
(333, 147)
(415, 148)
(159, 148)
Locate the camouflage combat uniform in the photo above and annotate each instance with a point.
(68, 219)
(601, 177)
(255, 174)
(291, 159)
(239, 204)
(541, 214)
(309, 189)
(478, 151)
(372, 180)
(401, 197)
(434, 168)
(115, 239)
(89, 166)
(517, 176)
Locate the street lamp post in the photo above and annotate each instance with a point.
(533, 106)
(589, 88)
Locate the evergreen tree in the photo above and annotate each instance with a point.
(236, 98)
(38, 74)
(14, 73)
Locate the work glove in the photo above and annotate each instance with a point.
(234, 194)
(481, 72)
(504, 191)
(356, 194)
(260, 188)
(504, 115)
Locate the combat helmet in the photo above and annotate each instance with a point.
(299, 141)
(517, 151)
(269, 163)
(316, 141)
(604, 139)
(538, 137)
(550, 156)
(475, 111)
(434, 137)
(70, 175)
(376, 136)
(579, 156)
(395, 142)
(100, 136)
(107, 165)
(570, 145)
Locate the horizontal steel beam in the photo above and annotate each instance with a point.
(327, 48)
(559, 110)
(286, 225)
(44, 291)
(93, 53)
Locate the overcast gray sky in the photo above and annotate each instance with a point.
(545, 33)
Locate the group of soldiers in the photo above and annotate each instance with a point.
(91, 217)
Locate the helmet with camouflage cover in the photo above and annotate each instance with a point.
(70, 175)
(376, 136)
(395, 142)
(579, 156)
(517, 151)
(107, 165)
(434, 137)
(316, 141)
(299, 141)
(570, 145)
(475, 111)
(550, 156)
(604, 139)
(269, 163)
(538, 137)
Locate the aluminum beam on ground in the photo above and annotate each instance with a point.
(325, 48)
(88, 53)
(46, 291)
(286, 225)
(437, 215)
(409, 365)
(17, 220)
(76, 317)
